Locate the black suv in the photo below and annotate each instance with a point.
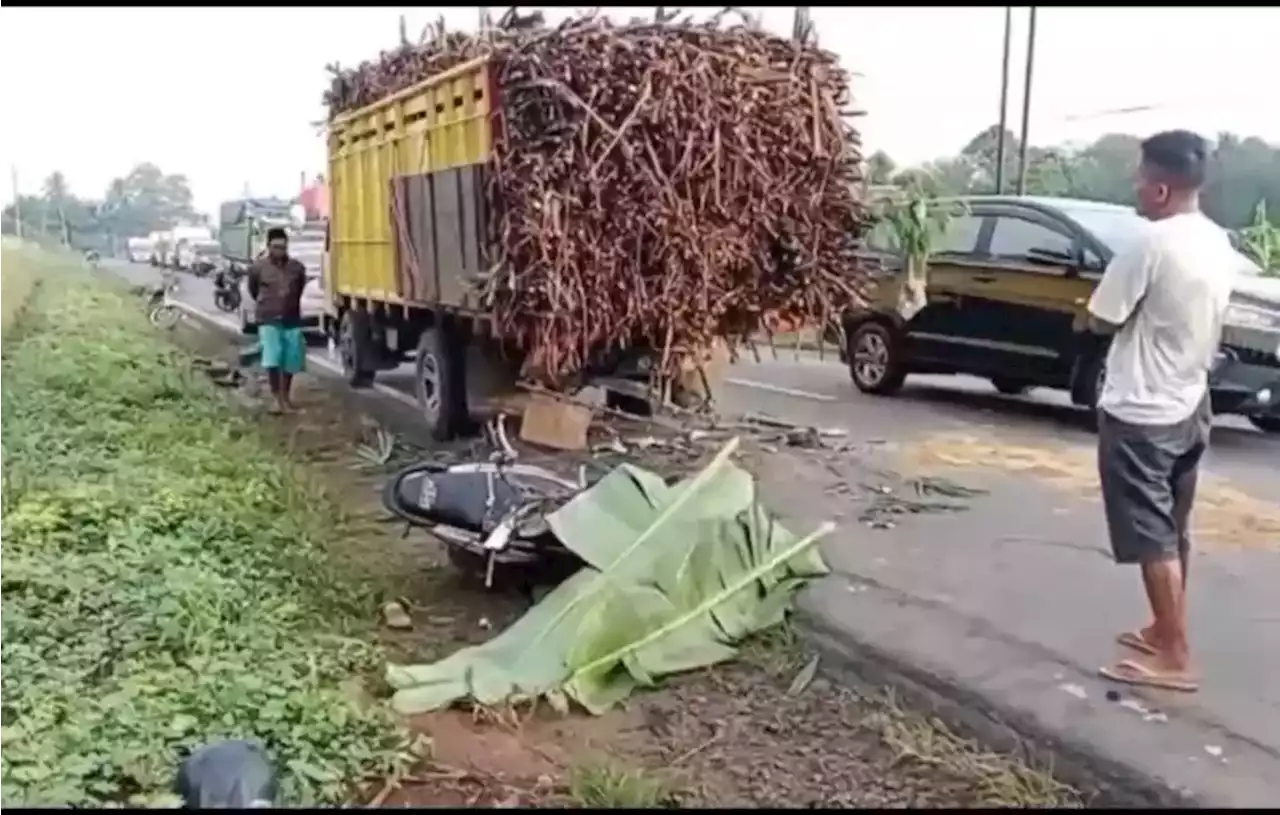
(1007, 291)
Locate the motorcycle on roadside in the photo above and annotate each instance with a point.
(226, 290)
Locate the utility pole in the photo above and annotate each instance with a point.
(1004, 99)
(801, 27)
(1026, 102)
(17, 201)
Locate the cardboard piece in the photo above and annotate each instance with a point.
(552, 423)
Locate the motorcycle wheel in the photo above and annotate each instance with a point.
(165, 316)
(226, 302)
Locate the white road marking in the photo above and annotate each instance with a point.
(765, 386)
(323, 363)
(312, 357)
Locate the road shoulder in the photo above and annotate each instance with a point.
(884, 618)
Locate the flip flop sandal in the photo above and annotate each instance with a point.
(1139, 643)
(1135, 673)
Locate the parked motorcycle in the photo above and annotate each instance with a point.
(226, 290)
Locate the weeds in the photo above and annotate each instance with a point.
(165, 577)
(17, 283)
(607, 786)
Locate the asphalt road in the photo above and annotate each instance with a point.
(1013, 604)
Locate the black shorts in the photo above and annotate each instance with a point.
(1149, 483)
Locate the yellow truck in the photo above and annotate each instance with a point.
(408, 240)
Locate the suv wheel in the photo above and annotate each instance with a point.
(1087, 387)
(875, 359)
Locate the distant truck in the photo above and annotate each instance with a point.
(184, 240)
(138, 250)
(242, 235)
(199, 256)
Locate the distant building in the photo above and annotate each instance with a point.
(315, 200)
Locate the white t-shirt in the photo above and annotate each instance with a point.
(1168, 291)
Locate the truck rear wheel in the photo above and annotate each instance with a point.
(440, 380)
(355, 346)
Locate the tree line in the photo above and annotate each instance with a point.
(138, 203)
(1245, 173)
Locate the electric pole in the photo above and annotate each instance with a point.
(1026, 102)
(1004, 100)
(801, 26)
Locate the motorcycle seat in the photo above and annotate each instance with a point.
(456, 499)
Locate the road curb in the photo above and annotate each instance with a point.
(870, 670)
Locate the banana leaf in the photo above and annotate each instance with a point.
(676, 577)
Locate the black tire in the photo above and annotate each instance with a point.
(228, 302)
(1010, 386)
(1267, 424)
(1086, 388)
(440, 381)
(355, 347)
(627, 403)
(875, 359)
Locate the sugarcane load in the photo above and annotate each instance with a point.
(595, 187)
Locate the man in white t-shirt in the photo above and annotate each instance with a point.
(1164, 298)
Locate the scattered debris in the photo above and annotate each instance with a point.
(804, 678)
(395, 617)
(555, 423)
(1074, 690)
(888, 504)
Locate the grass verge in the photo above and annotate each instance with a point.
(17, 282)
(166, 581)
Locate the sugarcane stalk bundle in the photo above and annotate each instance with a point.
(658, 183)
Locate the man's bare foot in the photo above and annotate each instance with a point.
(276, 409)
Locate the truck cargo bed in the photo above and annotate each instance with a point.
(408, 221)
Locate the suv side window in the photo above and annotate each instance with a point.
(1013, 239)
(961, 236)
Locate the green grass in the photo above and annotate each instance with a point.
(17, 282)
(166, 581)
(608, 786)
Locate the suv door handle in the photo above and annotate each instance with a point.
(984, 278)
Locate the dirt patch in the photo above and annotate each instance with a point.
(747, 734)
(1225, 516)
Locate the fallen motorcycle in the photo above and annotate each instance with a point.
(491, 517)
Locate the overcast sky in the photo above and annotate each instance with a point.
(230, 96)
